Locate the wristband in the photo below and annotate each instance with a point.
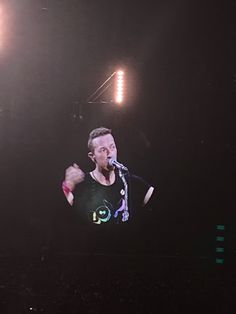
(65, 188)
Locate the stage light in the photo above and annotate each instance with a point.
(1, 26)
(3, 21)
(220, 241)
(119, 87)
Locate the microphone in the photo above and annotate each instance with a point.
(114, 163)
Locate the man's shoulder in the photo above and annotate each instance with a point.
(85, 183)
(136, 179)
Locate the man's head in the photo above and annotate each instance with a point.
(101, 145)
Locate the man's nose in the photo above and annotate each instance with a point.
(108, 153)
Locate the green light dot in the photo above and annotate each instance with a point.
(220, 227)
(220, 261)
(220, 250)
(220, 238)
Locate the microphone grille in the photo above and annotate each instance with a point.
(111, 161)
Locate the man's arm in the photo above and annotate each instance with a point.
(148, 195)
(73, 176)
(68, 193)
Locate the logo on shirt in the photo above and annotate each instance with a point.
(102, 213)
(122, 192)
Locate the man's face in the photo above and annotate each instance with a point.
(104, 148)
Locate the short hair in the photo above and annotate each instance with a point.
(96, 133)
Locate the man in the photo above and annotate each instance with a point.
(100, 195)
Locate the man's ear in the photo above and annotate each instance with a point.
(91, 156)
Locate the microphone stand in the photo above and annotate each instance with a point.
(125, 214)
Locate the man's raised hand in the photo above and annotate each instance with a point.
(73, 176)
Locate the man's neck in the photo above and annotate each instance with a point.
(103, 176)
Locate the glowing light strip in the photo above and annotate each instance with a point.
(119, 86)
(1, 24)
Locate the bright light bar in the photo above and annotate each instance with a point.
(1, 24)
(119, 86)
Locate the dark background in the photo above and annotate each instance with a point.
(176, 127)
